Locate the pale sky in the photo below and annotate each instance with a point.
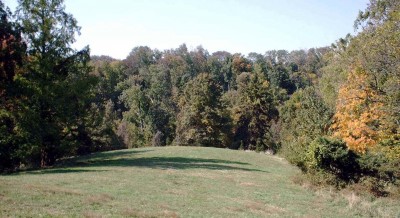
(115, 27)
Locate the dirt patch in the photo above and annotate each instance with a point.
(176, 192)
(53, 212)
(249, 184)
(164, 206)
(132, 213)
(129, 212)
(263, 208)
(170, 170)
(53, 190)
(91, 214)
(278, 158)
(169, 214)
(352, 199)
(167, 211)
(255, 206)
(98, 199)
(206, 175)
(235, 209)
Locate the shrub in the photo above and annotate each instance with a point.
(303, 118)
(379, 172)
(332, 156)
(329, 161)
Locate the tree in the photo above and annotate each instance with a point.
(276, 57)
(334, 74)
(148, 97)
(202, 120)
(12, 58)
(379, 57)
(198, 61)
(136, 120)
(370, 94)
(58, 79)
(303, 118)
(253, 113)
(162, 108)
(239, 65)
(220, 66)
(359, 113)
(377, 13)
(140, 58)
(178, 69)
(279, 79)
(12, 50)
(105, 108)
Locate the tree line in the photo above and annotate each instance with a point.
(333, 111)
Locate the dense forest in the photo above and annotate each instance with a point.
(332, 111)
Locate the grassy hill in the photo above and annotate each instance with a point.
(177, 182)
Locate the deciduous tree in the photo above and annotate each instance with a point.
(202, 120)
(359, 113)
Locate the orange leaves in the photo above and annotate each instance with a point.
(241, 64)
(358, 113)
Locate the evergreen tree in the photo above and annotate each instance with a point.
(58, 79)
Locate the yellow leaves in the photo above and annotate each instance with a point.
(358, 113)
(265, 84)
(391, 152)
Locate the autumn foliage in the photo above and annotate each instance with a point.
(358, 113)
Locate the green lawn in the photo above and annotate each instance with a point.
(177, 182)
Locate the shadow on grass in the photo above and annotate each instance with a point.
(60, 170)
(112, 154)
(82, 160)
(126, 158)
(66, 165)
(171, 163)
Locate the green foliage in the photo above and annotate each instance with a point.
(379, 55)
(202, 120)
(279, 78)
(10, 141)
(329, 161)
(136, 117)
(253, 113)
(58, 82)
(12, 57)
(379, 172)
(148, 97)
(375, 50)
(303, 118)
(220, 67)
(332, 156)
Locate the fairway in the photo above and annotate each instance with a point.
(176, 182)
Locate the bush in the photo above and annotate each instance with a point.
(303, 118)
(375, 170)
(332, 156)
(379, 172)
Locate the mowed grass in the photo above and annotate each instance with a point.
(177, 182)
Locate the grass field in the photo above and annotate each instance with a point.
(177, 182)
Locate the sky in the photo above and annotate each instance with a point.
(115, 27)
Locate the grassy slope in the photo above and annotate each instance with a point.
(176, 182)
